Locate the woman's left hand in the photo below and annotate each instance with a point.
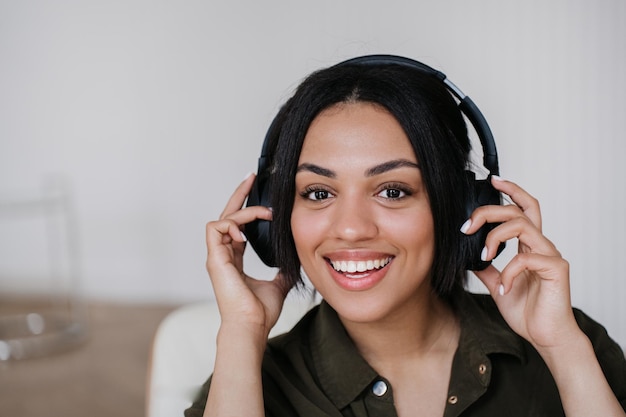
(532, 291)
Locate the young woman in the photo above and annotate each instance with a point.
(369, 188)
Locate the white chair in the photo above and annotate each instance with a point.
(183, 353)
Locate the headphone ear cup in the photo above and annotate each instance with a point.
(258, 232)
(482, 193)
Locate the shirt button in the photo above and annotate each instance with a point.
(482, 369)
(453, 399)
(379, 389)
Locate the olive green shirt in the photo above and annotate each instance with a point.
(315, 370)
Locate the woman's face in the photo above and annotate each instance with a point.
(361, 218)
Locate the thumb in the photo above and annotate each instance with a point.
(490, 276)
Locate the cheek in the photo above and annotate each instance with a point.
(413, 230)
(306, 239)
(304, 235)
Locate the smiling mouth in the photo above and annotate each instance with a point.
(351, 267)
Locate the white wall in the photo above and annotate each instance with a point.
(154, 110)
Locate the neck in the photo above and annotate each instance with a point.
(426, 328)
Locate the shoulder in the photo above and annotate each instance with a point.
(483, 311)
(598, 335)
(288, 355)
(291, 384)
(484, 320)
(293, 338)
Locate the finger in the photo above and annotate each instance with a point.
(490, 276)
(222, 232)
(546, 268)
(249, 214)
(491, 214)
(225, 246)
(526, 202)
(239, 196)
(530, 238)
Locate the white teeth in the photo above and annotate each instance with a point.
(359, 266)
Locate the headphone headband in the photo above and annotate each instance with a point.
(466, 105)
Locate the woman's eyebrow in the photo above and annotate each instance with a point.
(390, 165)
(375, 170)
(325, 172)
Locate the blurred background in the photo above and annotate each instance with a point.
(144, 115)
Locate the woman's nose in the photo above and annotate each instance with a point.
(354, 220)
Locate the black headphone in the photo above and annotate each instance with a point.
(483, 193)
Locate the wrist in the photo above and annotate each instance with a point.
(237, 371)
(570, 361)
(242, 336)
(568, 346)
(582, 385)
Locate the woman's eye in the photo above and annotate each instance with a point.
(317, 195)
(392, 193)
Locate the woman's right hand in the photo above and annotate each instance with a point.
(242, 300)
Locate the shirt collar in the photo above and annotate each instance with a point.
(344, 374)
(483, 329)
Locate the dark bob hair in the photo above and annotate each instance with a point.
(435, 127)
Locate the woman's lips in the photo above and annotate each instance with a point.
(359, 274)
(351, 266)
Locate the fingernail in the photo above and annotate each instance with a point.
(466, 226)
(501, 289)
(497, 178)
(483, 254)
(248, 175)
(245, 239)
